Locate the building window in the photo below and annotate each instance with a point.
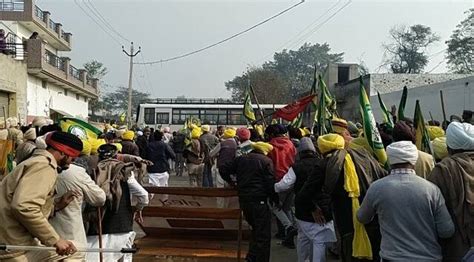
(163, 118)
(12, 5)
(342, 74)
(85, 99)
(44, 84)
(149, 116)
(65, 92)
(78, 97)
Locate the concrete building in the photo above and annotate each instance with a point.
(457, 90)
(54, 87)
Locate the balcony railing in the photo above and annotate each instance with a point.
(13, 46)
(12, 5)
(39, 13)
(52, 25)
(74, 72)
(54, 60)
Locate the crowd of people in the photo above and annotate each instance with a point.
(327, 192)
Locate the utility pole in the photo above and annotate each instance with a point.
(131, 55)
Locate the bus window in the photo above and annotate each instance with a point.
(149, 116)
(163, 118)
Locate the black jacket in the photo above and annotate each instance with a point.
(309, 170)
(255, 176)
(159, 152)
(129, 147)
(178, 144)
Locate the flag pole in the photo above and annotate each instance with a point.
(256, 101)
(444, 111)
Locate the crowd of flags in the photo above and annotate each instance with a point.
(324, 106)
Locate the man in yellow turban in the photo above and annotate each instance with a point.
(128, 145)
(348, 175)
(254, 180)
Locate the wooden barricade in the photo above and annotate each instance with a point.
(184, 222)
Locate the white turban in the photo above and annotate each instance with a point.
(402, 152)
(460, 136)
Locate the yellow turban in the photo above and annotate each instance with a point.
(440, 150)
(305, 131)
(86, 147)
(327, 143)
(128, 135)
(259, 129)
(95, 144)
(262, 147)
(119, 147)
(435, 132)
(229, 133)
(196, 133)
(330, 142)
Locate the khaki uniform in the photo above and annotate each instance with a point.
(424, 165)
(26, 201)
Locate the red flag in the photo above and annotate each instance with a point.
(291, 111)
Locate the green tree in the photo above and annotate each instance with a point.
(96, 69)
(117, 101)
(287, 76)
(407, 52)
(461, 46)
(267, 84)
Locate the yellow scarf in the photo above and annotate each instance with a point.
(361, 247)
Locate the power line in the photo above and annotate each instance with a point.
(224, 40)
(307, 35)
(97, 13)
(436, 66)
(99, 25)
(306, 28)
(148, 81)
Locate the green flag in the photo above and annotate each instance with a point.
(371, 133)
(248, 108)
(403, 102)
(298, 121)
(387, 118)
(422, 137)
(326, 107)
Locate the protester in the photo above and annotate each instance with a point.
(340, 126)
(404, 131)
(255, 179)
(25, 149)
(159, 153)
(128, 145)
(283, 156)
(245, 145)
(312, 235)
(194, 159)
(142, 142)
(454, 175)
(14, 133)
(27, 198)
(117, 222)
(349, 173)
(178, 145)
(411, 211)
(68, 222)
(167, 136)
(220, 131)
(440, 150)
(208, 142)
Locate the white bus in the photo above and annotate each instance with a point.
(174, 112)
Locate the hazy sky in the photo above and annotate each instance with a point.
(165, 29)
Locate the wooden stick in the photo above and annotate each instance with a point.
(5, 116)
(442, 107)
(101, 245)
(258, 104)
(239, 238)
(431, 116)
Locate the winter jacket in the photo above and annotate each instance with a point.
(129, 147)
(309, 171)
(255, 178)
(159, 152)
(26, 198)
(282, 155)
(228, 147)
(177, 144)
